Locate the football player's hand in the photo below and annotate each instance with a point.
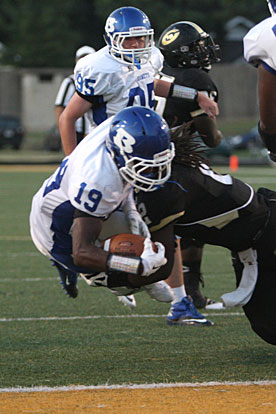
(152, 261)
(137, 225)
(208, 105)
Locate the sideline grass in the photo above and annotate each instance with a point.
(105, 350)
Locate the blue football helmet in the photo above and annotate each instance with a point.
(129, 22)
(139, 143)
(272, 6)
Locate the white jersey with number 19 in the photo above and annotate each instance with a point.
(87, 180)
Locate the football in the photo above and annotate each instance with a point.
(126, 243)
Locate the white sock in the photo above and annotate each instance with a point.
(178, 294)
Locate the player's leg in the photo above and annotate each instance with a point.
(68, 279)
(182, 312)
(191, 252)
(261, 308)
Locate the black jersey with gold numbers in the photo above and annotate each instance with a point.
(212, 208)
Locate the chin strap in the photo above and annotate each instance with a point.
(244, 291)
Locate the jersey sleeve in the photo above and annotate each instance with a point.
(65, 92)
(259, 44)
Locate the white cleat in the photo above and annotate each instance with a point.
(128, 301)
(215, 306)
(160, 291)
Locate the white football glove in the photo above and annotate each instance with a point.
(152, 261)
(136, 224)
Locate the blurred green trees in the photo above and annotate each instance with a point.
(47, 33)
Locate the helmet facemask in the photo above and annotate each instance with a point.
(132, 56)
(200, 54)
(205, 52)
(148, 175)
(128, 22)
(140, 145)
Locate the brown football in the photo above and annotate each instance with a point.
(126, 243)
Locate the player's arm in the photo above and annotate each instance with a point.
(85, 232)
(207, 129)
(167, 89)
(75, 109)
(65, 93)
(267, 109)
(58, 111)
(267, 99)
(166, 237)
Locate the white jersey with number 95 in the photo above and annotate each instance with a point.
(112, 86)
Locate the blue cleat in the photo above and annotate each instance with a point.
(68, 280)
(184, 313)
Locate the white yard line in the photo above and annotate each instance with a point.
(133, 315)
(135, 386)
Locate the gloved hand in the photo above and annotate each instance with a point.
(152, 261)
(136, 224)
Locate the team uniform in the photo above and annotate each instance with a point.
(65, 93)
(222, 210)
(177, 111)
(97, 179)
(112, 86)
(259, 44)
(87, 180)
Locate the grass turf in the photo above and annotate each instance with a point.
(106, 343)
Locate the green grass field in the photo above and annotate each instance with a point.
(50, 340)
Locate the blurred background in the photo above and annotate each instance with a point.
(38, 41)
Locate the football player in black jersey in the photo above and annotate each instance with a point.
(189, 53)
(224, 211)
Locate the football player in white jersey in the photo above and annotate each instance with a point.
(121, 74)
(260, 50)
(73, 209)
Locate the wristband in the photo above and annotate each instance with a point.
(268, 139)
(126, 264)
(183, 92)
